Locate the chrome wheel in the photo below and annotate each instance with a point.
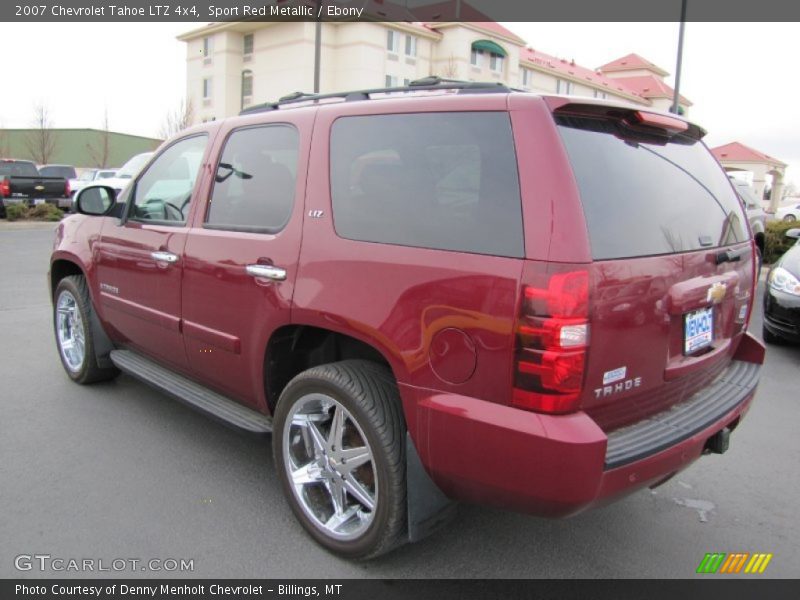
(70, 331)
(330, 466)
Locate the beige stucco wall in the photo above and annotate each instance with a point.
(354, 56)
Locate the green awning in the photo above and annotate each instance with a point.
(489, 46)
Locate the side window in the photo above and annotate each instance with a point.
(163, 192)
(433, 180)
(255, 180)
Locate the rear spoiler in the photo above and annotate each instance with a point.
(627, 122)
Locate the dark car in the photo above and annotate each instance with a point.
(532, 302)
(21, 182)
(782, 296)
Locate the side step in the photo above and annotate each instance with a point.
(187, 391)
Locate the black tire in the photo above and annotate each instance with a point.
(769, 337)
(368, 391)
(89, 371)
(789, 219)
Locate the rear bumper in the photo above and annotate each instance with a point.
(481, 452)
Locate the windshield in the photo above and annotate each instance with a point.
(57, 171)
(131, 168)
(18, 168)
(643, 198)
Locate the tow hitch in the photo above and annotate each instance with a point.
(719, 442)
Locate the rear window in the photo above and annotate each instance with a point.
(56, 171)
(649, 198)
(18, 169)
(433, 180)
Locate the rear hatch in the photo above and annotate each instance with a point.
(671, 283)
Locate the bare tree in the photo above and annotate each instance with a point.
(3, 141)
(41, 142)
(178, 119)
(99, 151)
(790, 190)
(450, 70)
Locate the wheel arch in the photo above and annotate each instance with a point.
(295, 348)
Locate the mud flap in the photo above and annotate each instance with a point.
(428, 507)
(101, 342)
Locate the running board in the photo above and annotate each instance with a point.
(193, 394)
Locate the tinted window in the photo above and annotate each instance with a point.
(163, 192)
(18, 169)
(255, 180)
(647, 198)
(56, 171)
(433, 180)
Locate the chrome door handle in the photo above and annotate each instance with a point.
(266, 272)
(167, 257)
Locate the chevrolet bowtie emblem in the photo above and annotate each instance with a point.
(716, 293)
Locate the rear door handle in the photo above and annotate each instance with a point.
(266, 272)
(167, 257)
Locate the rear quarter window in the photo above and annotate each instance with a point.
(433, 180)
(643, 199)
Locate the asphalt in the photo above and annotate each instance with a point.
(118, 471)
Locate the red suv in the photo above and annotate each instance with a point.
(450, 291)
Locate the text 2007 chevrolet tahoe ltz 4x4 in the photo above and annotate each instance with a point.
(533, 302)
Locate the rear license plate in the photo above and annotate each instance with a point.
(698, 330)
(38, 201)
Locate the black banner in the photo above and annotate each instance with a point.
(203, 11)
(382, 589)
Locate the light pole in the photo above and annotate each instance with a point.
(317, 47)
(675, 107)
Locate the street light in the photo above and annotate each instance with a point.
(675, 106)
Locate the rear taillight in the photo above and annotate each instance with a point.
(5, 188)
(67, 191)
(552, 337)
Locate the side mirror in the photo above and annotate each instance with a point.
(793, 233)
(95, 201)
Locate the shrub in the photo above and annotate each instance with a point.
(44, 212)
(776, 242)
(16, 211)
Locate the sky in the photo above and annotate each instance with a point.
(742, 77)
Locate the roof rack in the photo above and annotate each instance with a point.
(426, 83)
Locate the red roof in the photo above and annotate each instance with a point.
(650, 86)
(575, 71)
(738, 152)
(630, 62)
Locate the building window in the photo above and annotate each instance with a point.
(411, 45)
(392, 41)
(527, 78)
(207, 88)
(247, 86)
(599, 94)
(208, 47)
(247, 44)
(495, 62)
(392, 81)
(406, 82)
(476, 59)
(563, 87)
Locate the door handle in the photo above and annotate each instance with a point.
(266, 272)
(167, 257)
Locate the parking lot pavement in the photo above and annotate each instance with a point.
(117, 470)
